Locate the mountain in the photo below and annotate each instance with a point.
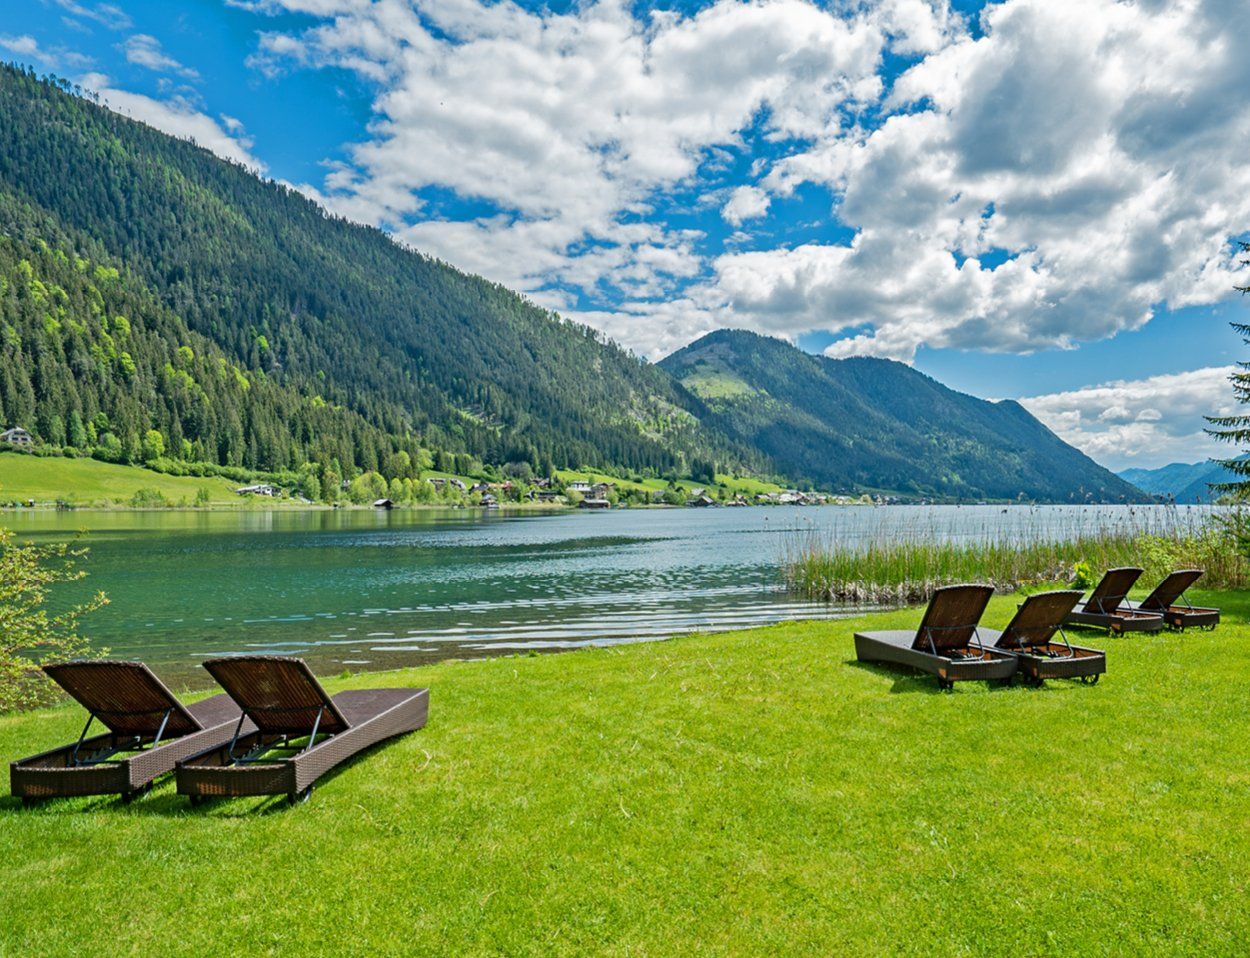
(159, 304)
(865, 424)
(1184, 482)
(326, 313)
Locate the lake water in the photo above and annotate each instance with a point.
(365, 589)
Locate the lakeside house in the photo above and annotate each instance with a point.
(260, 489)
(383, 504)
(17, 436)
(701, 501)
(591, 503)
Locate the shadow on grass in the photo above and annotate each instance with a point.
(909, 681)
(164, 800)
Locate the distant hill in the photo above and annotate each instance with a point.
(1184, 482)
(865, 424)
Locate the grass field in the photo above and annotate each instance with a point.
(744, 485)
(90, 482)
(745, 793)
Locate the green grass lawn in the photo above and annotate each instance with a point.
(89, 481)
(750, 793)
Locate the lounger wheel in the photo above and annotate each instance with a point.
(300, 798)
(196, 800)
(128, 797)
(946, 685)
(1090, 679)
(28, 802)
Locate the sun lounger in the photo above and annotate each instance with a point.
(300, 731)
(1030, 637)
(1105, 608)
(946, 644)
(149, 730)
(1168, 600)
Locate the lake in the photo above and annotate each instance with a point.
(364, 589)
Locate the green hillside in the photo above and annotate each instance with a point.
(868, 424)
(89, 482)
(403, 349)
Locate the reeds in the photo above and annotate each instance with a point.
(904, 562)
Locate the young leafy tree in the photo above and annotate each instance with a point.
(1236, 429)
(30, 634)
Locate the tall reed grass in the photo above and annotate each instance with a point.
(889, 566)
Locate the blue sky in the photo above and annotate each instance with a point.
(995, 193)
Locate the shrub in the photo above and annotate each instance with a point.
(29, 634)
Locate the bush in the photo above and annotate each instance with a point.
(148, 499)
(29, 634)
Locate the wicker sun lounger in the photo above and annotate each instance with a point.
(1106, 609)
(300, 731)
(149, 730)
(1168, 600)
(1030, 637)
(946, 644)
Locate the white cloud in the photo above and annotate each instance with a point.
(1029, 189)
(1113, 188)
(27, 49)
(745, 203)
(106, 14)
(1144, 422)
(145, 50)
(572, 125)
(178, 117)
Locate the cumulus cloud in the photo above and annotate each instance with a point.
(145, 50)
(1142, 422)
(1097, 189)
(179, 117)
(1020, 187)
(745, 203)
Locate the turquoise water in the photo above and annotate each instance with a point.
(364, 589)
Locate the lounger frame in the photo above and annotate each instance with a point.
(1168, 600)
(971, 663)
(946, 644)
(219, 773)
(89, 766)
(1107, 606)
(1055, 660)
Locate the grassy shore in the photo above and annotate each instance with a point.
(91, 482)
(891, 568)
(746, 793)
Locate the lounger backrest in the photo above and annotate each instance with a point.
(1111, 592)
(952, 616)
(1170, 589)
(279, 694)
(1038, 619)
(124, 696)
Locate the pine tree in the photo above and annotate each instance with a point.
(1235, 430)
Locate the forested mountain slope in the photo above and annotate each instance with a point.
(319, 308)
(864, 423)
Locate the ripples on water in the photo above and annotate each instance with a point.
(361, 589)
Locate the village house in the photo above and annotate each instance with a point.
(17, 436)
(578, 485)
(439, 482)
(261, 489)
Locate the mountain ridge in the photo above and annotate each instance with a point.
(850, 423)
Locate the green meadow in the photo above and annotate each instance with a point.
(91, 482)
(746, 793)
